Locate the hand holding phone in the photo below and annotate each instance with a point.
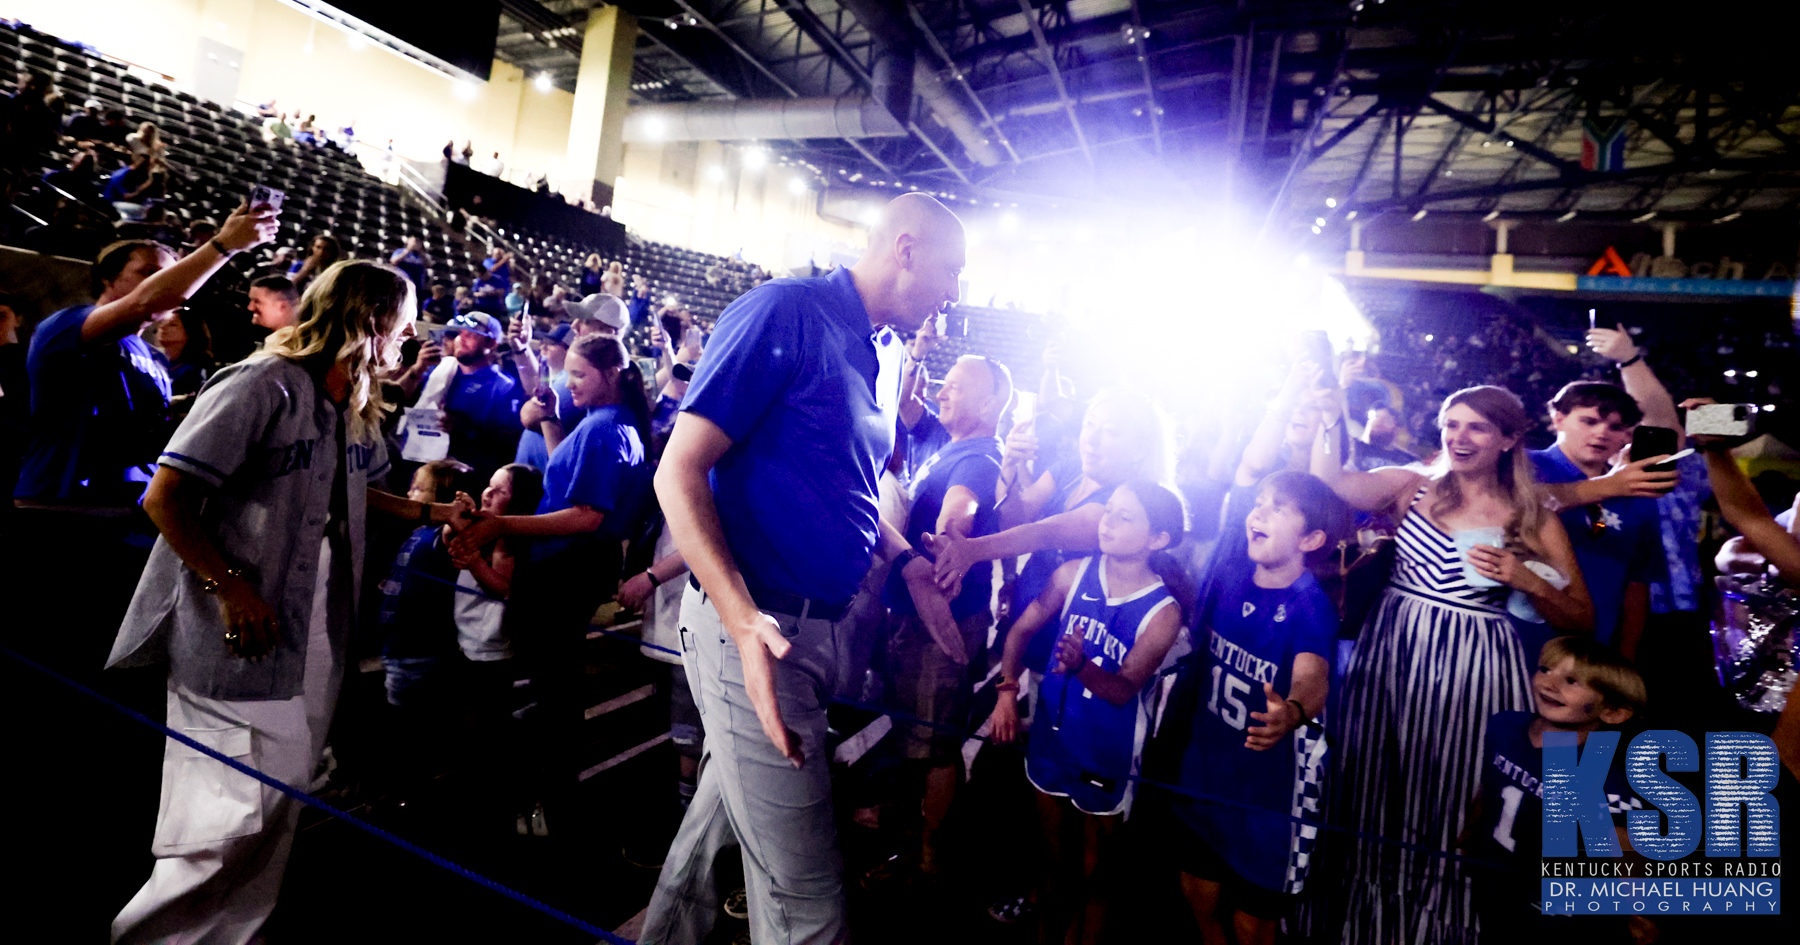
(261, 196)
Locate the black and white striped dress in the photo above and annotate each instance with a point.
(1435, 659)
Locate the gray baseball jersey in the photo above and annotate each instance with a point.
(265, 436)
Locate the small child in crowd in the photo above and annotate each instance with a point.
(1581, 685)
(1120, 621)
(418, 596)
(1264, 670)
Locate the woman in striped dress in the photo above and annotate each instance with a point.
(1437, 657)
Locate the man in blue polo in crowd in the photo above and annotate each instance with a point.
(483, 402)
(1618, 542)
(769, 484)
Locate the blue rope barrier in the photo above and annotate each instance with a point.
(311, 801)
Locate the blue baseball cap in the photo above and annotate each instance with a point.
(480, 323)
(560, 335)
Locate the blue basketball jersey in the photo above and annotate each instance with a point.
(1252, 635)
(1083, 747)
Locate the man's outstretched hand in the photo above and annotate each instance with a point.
(759, 643)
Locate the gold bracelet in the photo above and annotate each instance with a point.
(211, 586)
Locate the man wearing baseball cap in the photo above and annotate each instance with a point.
(598, 312)
(559, 416)
(483, 402)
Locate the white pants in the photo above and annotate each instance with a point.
(223, 838)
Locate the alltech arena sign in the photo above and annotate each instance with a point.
(1718, 854)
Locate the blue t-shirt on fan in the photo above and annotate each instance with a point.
(974, 464)
(98, 415)
(534, 450)
(599, 464)
(1249, 636)
(1081, 746)
(483, 407)
(1617, 542)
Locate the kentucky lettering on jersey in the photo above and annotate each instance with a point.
(1095, 633)
(1242, 661)
(1081, 747)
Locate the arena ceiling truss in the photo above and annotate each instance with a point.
(1370, 106)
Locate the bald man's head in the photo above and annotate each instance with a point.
(913, 267)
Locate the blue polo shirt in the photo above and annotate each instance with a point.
(973, 463)
(1617, 542)
(808, 394)
(98, 415)
(484, 418)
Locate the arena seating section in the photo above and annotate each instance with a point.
(217, 155)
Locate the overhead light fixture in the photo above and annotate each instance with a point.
(1318, 221)
(1645, 218)
(755, 158)
(1727, 218)
(543, 82)
(1566, 217)
(1492, 215)
(1317, 230)
(466, 90)
(1420, 215)
(715, 173)
(655, 128)
(1331, 202)
(796, 186)
(1749, 373)
(1350, 216)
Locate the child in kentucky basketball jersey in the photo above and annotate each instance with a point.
(1119, 620)
(1581, 685)
(1261, 670)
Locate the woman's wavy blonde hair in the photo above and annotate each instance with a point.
(353, 313)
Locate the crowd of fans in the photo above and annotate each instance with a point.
(1517, 592)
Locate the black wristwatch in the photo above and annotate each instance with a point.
(905, 558)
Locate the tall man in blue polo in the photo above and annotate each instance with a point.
(1618, 542)
(769, 484)
(483, 402)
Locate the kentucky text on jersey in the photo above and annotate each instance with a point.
(1243, 661)
(1112, 648)
(1522, 775)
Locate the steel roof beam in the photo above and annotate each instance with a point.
(1056, 76)
(1471, 122)
(961, 78)
(1785, 162)
(1140, 38)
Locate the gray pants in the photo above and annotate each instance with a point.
(749, 794)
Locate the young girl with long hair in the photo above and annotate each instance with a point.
(594, 489)
(1118, 620)
(1438, 655)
